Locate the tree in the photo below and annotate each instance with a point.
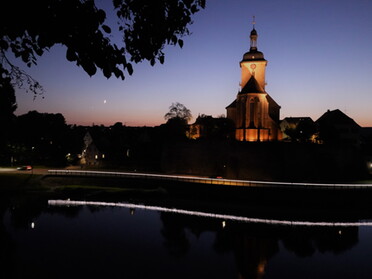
(42, 137)
(7, 118)
(7, 100)
(32, 27)
(302, 132)
(178, 111)
(176, 126)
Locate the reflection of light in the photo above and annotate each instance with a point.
(223, 224)
(32, 225)
(261, 267)
(203, 180)
(211, 215)
(339, 232)
(131, 211)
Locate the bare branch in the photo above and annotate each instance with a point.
(20, 78)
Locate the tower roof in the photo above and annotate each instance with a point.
(253, 54)
(253, 32)
(252, 86)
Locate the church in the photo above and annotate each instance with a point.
(254, 113)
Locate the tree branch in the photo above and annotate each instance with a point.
(20, 78)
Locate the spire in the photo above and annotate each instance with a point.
(253, 36)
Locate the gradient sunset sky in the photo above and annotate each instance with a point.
(319, 56)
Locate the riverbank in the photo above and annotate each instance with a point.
(295, 203)
(80, 184)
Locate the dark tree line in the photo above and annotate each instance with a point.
(40, 138)
(28, 29)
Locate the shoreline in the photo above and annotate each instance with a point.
(257, 202)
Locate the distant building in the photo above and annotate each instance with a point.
(335, 127)
(366, 135)
(254, 113)
(93, 153)
(298, 129)
(208, 127)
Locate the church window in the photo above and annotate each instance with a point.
(251, 112)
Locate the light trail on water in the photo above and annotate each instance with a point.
(223, 217)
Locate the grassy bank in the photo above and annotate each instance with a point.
(16, 182)
(72, 187)
(115, 188)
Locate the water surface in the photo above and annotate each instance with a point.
(87, 241)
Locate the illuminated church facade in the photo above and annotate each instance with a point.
(254, 113)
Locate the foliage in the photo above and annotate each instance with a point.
(7, 104)
(7, 97)
(176, 127)
(178, 111)
(7, 107)
(32, 27)
(40, 138)
(302, 132)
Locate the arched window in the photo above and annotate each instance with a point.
(251, 113)
(254, 113)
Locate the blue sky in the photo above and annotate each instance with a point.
(319, 57)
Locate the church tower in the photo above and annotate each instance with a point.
(254, 112)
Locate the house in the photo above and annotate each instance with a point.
(208, 127)
(335, 127)
(301, 129)
(94, 150)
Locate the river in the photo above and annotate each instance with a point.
(43, 239)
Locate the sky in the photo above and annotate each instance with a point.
(319, 55)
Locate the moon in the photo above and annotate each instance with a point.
(104, 101)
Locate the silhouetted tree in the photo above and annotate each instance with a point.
(32, 27)
(303, 132)
(174, 234)
(178, 111)
(7, 98)
(177, 118)
(41, 138)
(7, 118)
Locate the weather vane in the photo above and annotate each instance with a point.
(254, 21)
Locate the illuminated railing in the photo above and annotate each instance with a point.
(203, 180)
(223, 217)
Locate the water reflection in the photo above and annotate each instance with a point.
(7, 244)
(253, 245)
(101, 239)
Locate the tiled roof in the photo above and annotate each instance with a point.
(232, 105)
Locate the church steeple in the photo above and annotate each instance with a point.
(253, 63)
(254, 112)
(253, 53)
(253, 37)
